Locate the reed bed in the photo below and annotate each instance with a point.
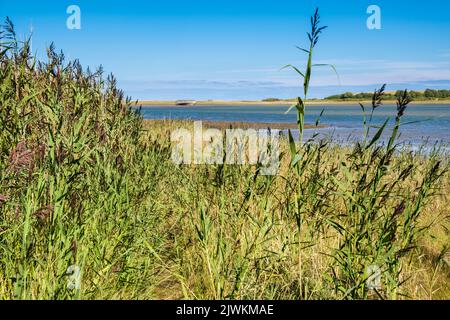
(88, 188)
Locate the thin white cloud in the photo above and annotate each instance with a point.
(355, 75)
(444, 54)
(366, 72)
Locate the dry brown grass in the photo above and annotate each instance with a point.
(288, 271)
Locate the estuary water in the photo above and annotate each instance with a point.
(422, 124)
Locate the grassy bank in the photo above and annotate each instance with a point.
(242, 125)
(92, 207)
(236, 234)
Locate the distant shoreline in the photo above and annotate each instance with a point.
(145, 103)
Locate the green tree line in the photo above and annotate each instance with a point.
(428, 94)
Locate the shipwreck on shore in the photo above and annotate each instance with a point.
(185, 102)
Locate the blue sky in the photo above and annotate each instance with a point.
(233, 49)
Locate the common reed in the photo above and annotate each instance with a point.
(88, 188)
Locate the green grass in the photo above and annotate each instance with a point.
(85, 182)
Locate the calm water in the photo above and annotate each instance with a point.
(344, 122)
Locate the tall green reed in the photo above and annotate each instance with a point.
(84, 184)
(74, 194)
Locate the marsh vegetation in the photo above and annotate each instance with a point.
(85, 182)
